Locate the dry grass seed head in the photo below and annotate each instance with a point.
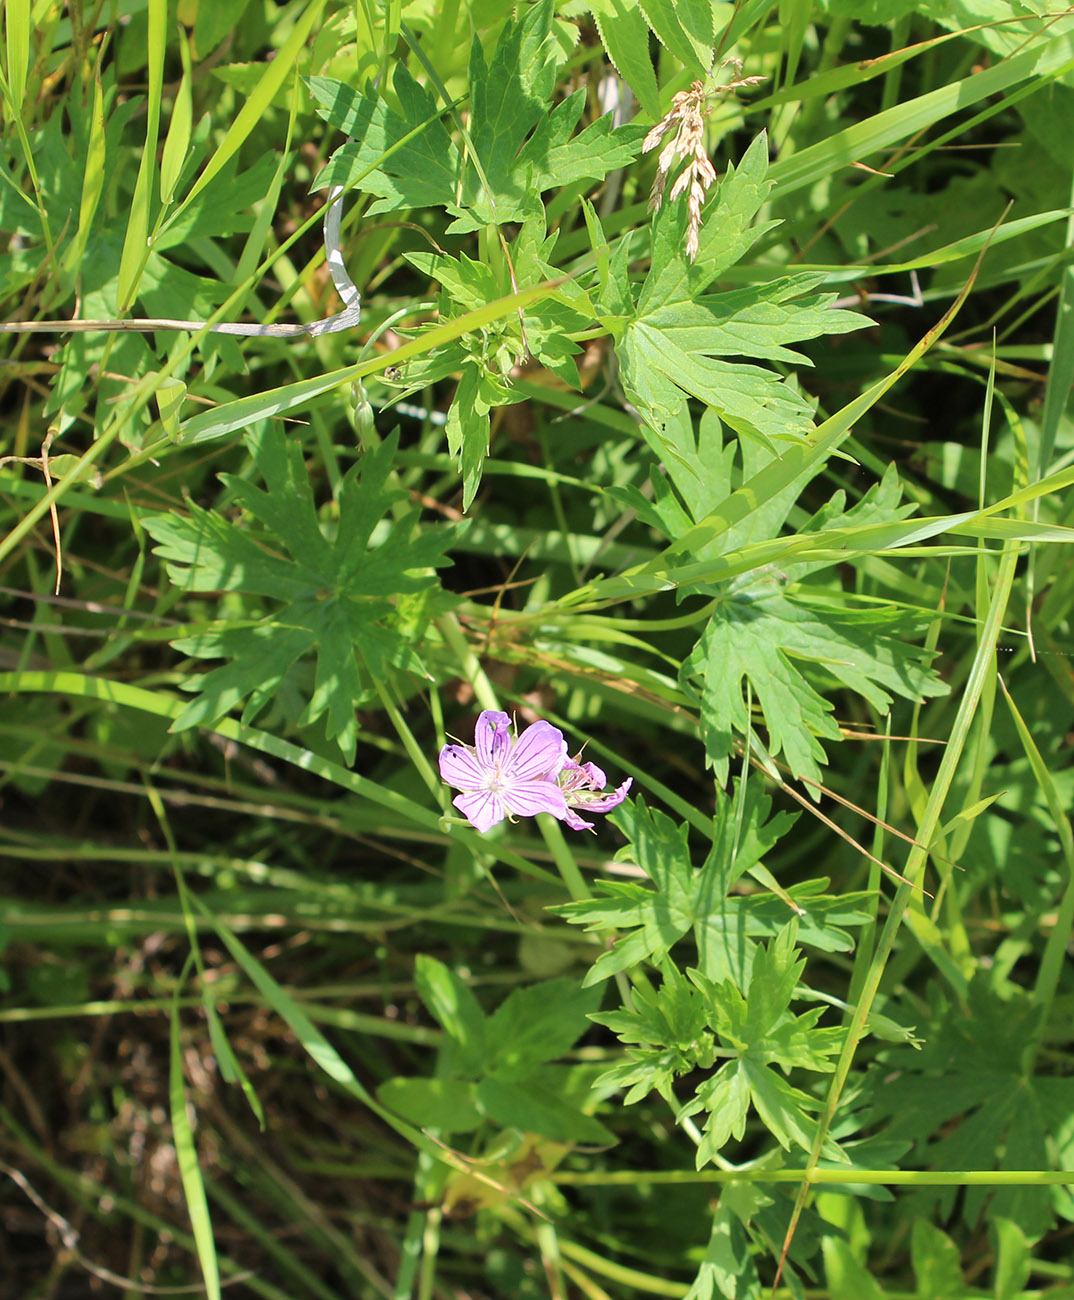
(688, 117)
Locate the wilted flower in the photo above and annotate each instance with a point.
(504, 777)
(501, 776)
(582, 784)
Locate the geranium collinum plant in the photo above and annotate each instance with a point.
(501, 775)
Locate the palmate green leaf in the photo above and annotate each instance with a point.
(767, 1037)
(766, 628)
(745, 1084)
(685, 1027)
(406, 156)
(679, 341)
(334, 596)
(667, 1033)
(408, 159)
(762, 635)
(968, 1101)
(759, 1021)
(685, 899)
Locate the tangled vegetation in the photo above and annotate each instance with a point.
(536, 648)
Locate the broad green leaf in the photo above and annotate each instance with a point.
(446, 1104)
(486, 359)
(728, 1268)
(215, 21)
(684, 29)
(503, 1056)
(405, 157)
(335, 596)
(727, 1100)
(876, 13)
(765, 629)
(847, 1277)
(760, 635)
(666, 1033)
(450, 1000)
(747, 1019)
(1014, 1258)
(684, 898)
(467, 431)
(966, 1101)
(535, 1109)
(538, 1024)
(937, 1268)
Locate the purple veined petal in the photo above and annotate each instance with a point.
(606, 802)
(528, 798)
(575, 822)
(481, 808)
(492, 737)
(539, 754)
(459, 767)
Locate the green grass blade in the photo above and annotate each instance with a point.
(916, 861)
(93, 177)
(186, 1154)
(860, 142)
(17, 41)
(136, 241)
(256, 104)
(177, 141)
(234, 416)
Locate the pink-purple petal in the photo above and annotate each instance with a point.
(575, 822)
(606, 802)
(481, 808)
(539, 754)
(528, 798)
(460, 768)
(492, 737)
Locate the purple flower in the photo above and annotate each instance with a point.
(582, 784)
(503, 777)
